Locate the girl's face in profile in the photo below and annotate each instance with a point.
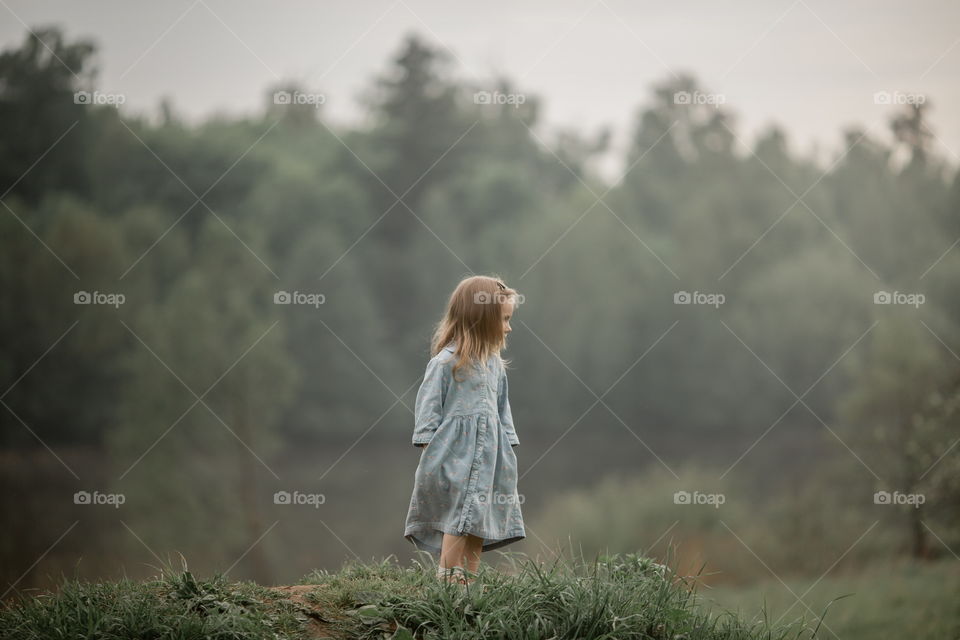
(507, 310)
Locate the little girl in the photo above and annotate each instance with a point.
(465, 497)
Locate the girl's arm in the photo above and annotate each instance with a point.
(428, 410)
(506, 417)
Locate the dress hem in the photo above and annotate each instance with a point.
(411, 535)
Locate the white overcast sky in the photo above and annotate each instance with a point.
(811, 66)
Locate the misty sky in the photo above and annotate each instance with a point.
(809, 65)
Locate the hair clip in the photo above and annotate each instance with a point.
(501, 285)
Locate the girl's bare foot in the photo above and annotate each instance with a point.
(452, 574)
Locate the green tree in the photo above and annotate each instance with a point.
(418, 119)
(201, 466)
(45, 120)
(901, 412)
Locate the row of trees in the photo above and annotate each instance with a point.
(199, 227)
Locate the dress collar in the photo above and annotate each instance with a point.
(452, 348)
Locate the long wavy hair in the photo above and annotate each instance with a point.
(474, 320)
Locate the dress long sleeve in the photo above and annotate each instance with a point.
(503, 404)
(428, 410)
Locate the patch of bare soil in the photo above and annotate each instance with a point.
(319, 623)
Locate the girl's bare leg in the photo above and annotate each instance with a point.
(474, 549)
(461, 551)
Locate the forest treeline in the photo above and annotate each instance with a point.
(186, 238)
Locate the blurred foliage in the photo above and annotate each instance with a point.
(191, 387)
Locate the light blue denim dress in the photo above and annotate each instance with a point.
(466, 481)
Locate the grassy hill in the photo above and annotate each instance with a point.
(622, 596)
(888, 601)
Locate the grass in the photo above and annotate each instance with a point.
(889, 601)
(621, 596)
(177, 605)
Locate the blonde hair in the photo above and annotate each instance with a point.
(474, 319)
